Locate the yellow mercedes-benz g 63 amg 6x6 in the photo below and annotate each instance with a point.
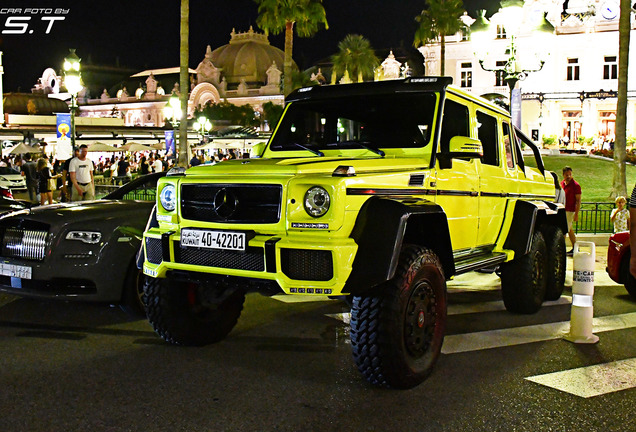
(377, 192)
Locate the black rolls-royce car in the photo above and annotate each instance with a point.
(81, 251)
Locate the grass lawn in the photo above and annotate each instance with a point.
(593, 174)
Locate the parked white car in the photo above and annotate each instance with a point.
(12, 179)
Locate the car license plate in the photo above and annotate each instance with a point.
(18, 271)
(225, 240)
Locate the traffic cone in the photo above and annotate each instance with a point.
(582, 312)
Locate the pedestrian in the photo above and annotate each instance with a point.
(144, 168)
(572, 203)
(44, 183)
(81, 171)
(195, 160)
(157, 165)
(620, 215)
(123, 170)
(67, 187)
(29, 171)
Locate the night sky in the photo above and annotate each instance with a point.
(145, 34)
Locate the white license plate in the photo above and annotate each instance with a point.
(225, 240)
(22, 272)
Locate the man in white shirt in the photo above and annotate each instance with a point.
(157, 166)
(81, 171)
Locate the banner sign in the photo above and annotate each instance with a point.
(515, 107)
(63, 147)
(170, 147)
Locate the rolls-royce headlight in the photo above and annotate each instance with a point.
(168, 198)
(317, 201)
(90, 237)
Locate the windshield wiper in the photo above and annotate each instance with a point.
(316, 152)
(364, 146)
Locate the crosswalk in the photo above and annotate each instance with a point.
(584, 382)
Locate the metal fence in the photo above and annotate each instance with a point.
(595, 218)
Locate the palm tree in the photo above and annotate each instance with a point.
(619, 187)
(184, 83)
(278, 15)
(440, 19)
(356, 56)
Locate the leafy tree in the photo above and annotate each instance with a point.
(278, 15)
(184, 50)
(356, 56)
(272, 114)
(619, 187)
(301, 79)
(441, 18)
(243, 115)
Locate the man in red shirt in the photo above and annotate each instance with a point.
(572, 203)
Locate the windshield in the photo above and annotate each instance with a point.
(368, 122)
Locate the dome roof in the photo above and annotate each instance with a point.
(248, 55)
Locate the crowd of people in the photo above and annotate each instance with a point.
(50, 180)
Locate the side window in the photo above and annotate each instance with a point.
(487, 134)
(455, 123)
(508, 145)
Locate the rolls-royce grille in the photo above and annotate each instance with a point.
(252, 259)
(24, 243)
(231, 203)
(154, 253)
(309, 265)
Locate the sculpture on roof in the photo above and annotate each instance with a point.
(151, 84)
(206, 71)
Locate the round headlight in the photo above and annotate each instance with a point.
(317, 201)
(168, 198)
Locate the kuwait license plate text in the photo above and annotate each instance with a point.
(213, 239)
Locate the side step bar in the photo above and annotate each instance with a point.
(476, 262)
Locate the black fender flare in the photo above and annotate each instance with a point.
(528, 215)
(383, 225)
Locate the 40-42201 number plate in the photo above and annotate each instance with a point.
(225, 240)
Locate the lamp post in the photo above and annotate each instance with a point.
(72, 81)
(172, 112)
(204, 125)
(512, 17)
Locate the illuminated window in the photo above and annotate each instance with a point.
(573, 71)
(465, 34)
(610, 68)
(501, 32)
(466, 75)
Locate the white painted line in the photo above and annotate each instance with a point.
(497, 305)
(592, 381)
(522, 335)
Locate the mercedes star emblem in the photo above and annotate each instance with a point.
(225, 203)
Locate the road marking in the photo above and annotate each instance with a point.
(497, 305)
(592, 381)
(522, 335)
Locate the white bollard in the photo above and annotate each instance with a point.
(582, 295)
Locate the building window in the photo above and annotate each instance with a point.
(610, 68)
(499, 75)
(465, 34)
(467, 75)
(573, 69)
(501, 32)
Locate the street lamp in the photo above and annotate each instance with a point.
(204, 125)
(172, 110)
(72, 81)
(511, 13)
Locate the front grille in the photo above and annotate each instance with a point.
(154, 252)
(309, 265)
(252, 259)
(231, 203)
(24, 243)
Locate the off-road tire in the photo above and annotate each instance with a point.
(397, 333)
(177, 315)
(132, 292)
(523, 280)
(556, 261)
(626, 277)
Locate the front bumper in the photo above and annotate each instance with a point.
(298, 263)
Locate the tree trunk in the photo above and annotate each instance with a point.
(287, 66)
(442, 57)
(619, 182)
(184, 83)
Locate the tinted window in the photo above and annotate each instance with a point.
(487, 134)
(143, 188)
(455, 123)
(374, 121)
(7, 170)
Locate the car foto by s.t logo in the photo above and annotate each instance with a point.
(18, 20)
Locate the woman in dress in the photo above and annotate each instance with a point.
(44, 175)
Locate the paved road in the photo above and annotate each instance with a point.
(288, 367)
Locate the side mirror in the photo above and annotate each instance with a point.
(258, 149)
(465, 147)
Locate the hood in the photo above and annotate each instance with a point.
(64, 213)
(306, 165)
